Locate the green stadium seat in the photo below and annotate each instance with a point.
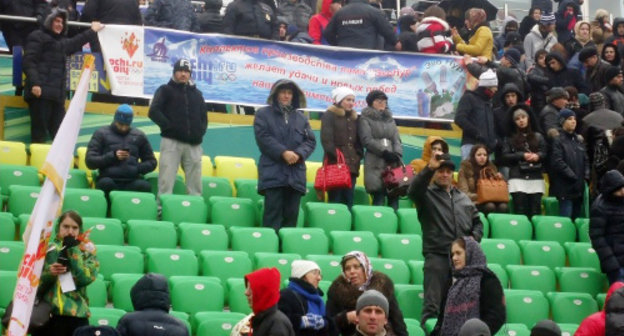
(11, 253)
(571, 307)
(247, 188)
(401, 246)
(347, 241)
(413, 327)
(376, 219)
(501, 274)
(360, 196)
(510, 226)
(151, 233)
(101, 316)
(560, 229)
(237, 301)
(17, 175)
(179, 188)
(329, 264)
(22, 222)
(120, 291)
(551, 206)
(410, 299)
(513, 329)
(8, 279)
(304, 241)
(77, 178)
(405, 203)
(328, 216)
(252, 240)
(309, 196)
(218, 326)
(7, 226)
(417, 273)
(582, 225)
(601, 298)
(232, 211)
(579, 222)
(119, 259)
(198, 237)
(105, 231)
(216, 186)
(581, 279)
(192, 294)
(128, 205)
(582, 255)
(408, 221)
(281, 261)
(501, 251)
(486, 225)
(22, 199)
(531, 277)
(171, 261)
(526, 306)
(13, 153)
(96, 292)
(544, 253)
(396, 269)
(225, 264)
(183, 208)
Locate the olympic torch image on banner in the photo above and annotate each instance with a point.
(47, 207)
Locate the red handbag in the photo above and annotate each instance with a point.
(333, 176)
(398, 179)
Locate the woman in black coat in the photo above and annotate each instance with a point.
(476, 292)
(302, 301)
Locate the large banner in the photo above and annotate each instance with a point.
(241, 70)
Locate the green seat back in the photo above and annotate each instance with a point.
(526, 306)
(501, 251)
(17, 175)
(401, 246)
(183, 208)
(413, 327)
(192, 294)
(225, 264)
(513, 329)
(7, 226)
(396, 269)
(408, 221)
(247, 188)
(560, 229)
(151, 233)
(571, 307)
(329, 264)
(11, 253)
(581, 279)
(77, 178)
(128, 205)
(231, 211)
(252, 240)
(8, 279)
(510, 226)
(501, 274)
(582, 255)
(105, 231)
(544, 253)
(410, 299)
(171, 261)
(237, 300)
(328, 216)
(360, 196)
(119, 259)
(96, 292)
(417, 273)
(120, 291)
(22, 199)
(376, 219)
(198, 237)
(304, 241)
(226, 321)
(347, 241)
(281, 261)
(101, 316)
(531, 277)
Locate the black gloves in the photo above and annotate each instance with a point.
(390, 157)
(69, 242)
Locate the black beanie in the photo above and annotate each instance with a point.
(587, 52)
(611, 72)
(375, 94)
(182, 65)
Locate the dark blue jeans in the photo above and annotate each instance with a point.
(379, 198)
(281, 207)
(570, 207)
(344, 196)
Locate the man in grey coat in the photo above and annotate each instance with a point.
(446, 213)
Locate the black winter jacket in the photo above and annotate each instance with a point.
(595, 76)
(339, 130)
(107, 140)
(614, 314)
(295, 305)
(614, 96)
(569, 166)
(174, 14)
(44, 59)
(513, 156)
(549, 120)
(475, 117)
(606, 224)
(211, 21)
(271, 322)
(540, 83)
(124, 12)
(444, 217)
(151, 301)
(565, 76)
(358, 25)
(180, 112)
(250, 18)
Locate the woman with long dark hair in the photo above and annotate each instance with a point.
(611, 55)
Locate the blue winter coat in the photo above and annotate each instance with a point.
(276, 133)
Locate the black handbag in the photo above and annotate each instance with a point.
(41, 314)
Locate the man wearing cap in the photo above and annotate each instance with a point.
(595, 68)
(541, 36)
(557, 99)
(122, 155)
(613, 91)
(474, 114)
(178, 108)
(569, 166)
(372, 310)
(445, 213)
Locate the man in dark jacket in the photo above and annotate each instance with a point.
(210, 20)
(613, 91)
(122, 154)
(360, 25)
(569, 167)
(562, 76)
(262, 291)
(446, 214)
(15, 32)
(285, 140)
(178, 108)
(174, 14)
(252, 18)
(595, 68)
(557, 99)
(151, 302)
(296, 12)
(124, 12)
(474, 114)
(44, 65)
(606, 225)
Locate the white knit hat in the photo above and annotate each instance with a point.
(488, 79)
(299, 268)
(339, 93)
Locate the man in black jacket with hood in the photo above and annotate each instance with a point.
(151, 302)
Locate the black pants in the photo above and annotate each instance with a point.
(344, 196)
(527, 204)
(281, 207)
(62, 326)
(46, 117)
(379, 198)
(437, 272)
(107, 184)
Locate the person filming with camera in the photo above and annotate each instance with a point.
(445, 213)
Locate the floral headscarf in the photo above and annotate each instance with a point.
(366, 266)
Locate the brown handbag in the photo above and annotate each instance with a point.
(491, 187)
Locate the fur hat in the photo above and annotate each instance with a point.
(611, 72)
(556, 93)
(339, 93)
(299, 268)
(124, 114)
(372, 297)
(375, 94)
(182, 65)
(586, 53)
(488, 79)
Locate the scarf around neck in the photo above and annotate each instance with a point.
(316, 305)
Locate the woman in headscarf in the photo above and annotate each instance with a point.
(481, 42)
(476, 292)
(358, 276)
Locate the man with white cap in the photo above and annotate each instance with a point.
(302, 301)
(372, 314)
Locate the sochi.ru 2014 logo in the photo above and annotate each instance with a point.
(130, 44)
